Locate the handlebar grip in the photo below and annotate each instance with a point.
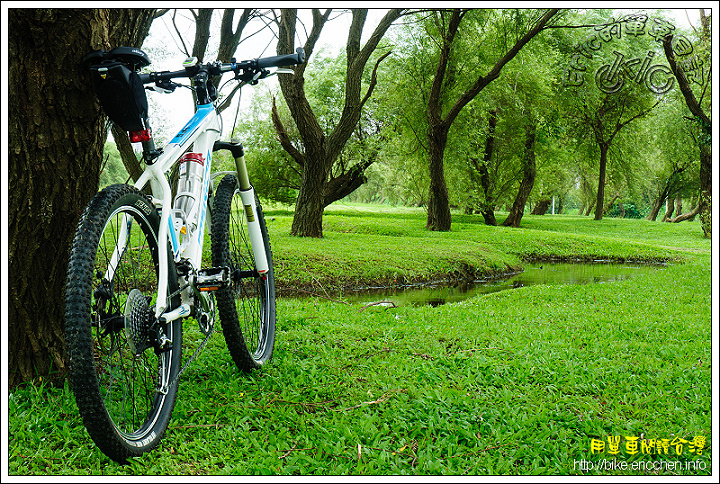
(283, 60)
(162, 76)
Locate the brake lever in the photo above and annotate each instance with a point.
(261, 74)
(165, 87)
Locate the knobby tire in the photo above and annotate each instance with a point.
(115, 372)
(247, 307)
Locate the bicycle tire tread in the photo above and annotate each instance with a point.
(229, 318)
(78, 334)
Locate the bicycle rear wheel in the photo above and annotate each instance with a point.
(122, 379)
(247, 306)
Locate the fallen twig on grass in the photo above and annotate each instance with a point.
(478, 349)
(424, 356)
(290, 451)
(370, 355)
(386, 303)
(385, 397)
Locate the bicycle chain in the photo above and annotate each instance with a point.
(195, 354)
(192, 358)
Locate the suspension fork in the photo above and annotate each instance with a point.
(247, 195)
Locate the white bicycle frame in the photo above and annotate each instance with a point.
(203, 129)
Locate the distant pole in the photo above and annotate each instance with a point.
(553, 208)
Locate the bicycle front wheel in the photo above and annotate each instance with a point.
(123, 380)
(247, 306)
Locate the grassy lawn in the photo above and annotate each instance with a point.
(518, 382)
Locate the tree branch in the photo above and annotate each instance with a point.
(319, 20)
(229, 38)
(494, 73)
(683, 83)
(373, 79)
(287, 145)
(638, 115)
(177, 30)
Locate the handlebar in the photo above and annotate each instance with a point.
(282, 60)
(245, 70)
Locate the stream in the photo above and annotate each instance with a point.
(534, 273)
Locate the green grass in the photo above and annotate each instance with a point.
(394, 247)
(517, 382)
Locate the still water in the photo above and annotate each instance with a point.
(548, 273)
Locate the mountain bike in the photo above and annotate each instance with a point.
(136, 272)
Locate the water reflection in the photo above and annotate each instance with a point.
(548, 273)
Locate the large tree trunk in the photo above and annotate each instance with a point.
(310, 204)
(705, 207)
(657, 204)
(127, 154)
(686, 216)
(438, 217)
(542, 207)
(528, 181)
(599, 203)
(590, 207)
(56, 135)
(669, 210)
(488, 206)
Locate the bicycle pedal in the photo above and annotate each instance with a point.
(212, 278)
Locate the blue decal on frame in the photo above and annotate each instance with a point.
(202, 111)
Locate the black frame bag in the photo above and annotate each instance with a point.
(118, 86)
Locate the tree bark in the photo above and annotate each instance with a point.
(590, 207)
(686, 216)
(488, 206)
(655, 210)
(229, 38)
(705, 207)
(609, 205)
(542, 207)
(526, 185)
(127, 154)
(439, 217)
(202, 32)
(56, 134)
(670, 209)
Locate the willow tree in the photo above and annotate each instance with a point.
(319, 149)
(56, 135)
(442, 112)
(704, 122)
